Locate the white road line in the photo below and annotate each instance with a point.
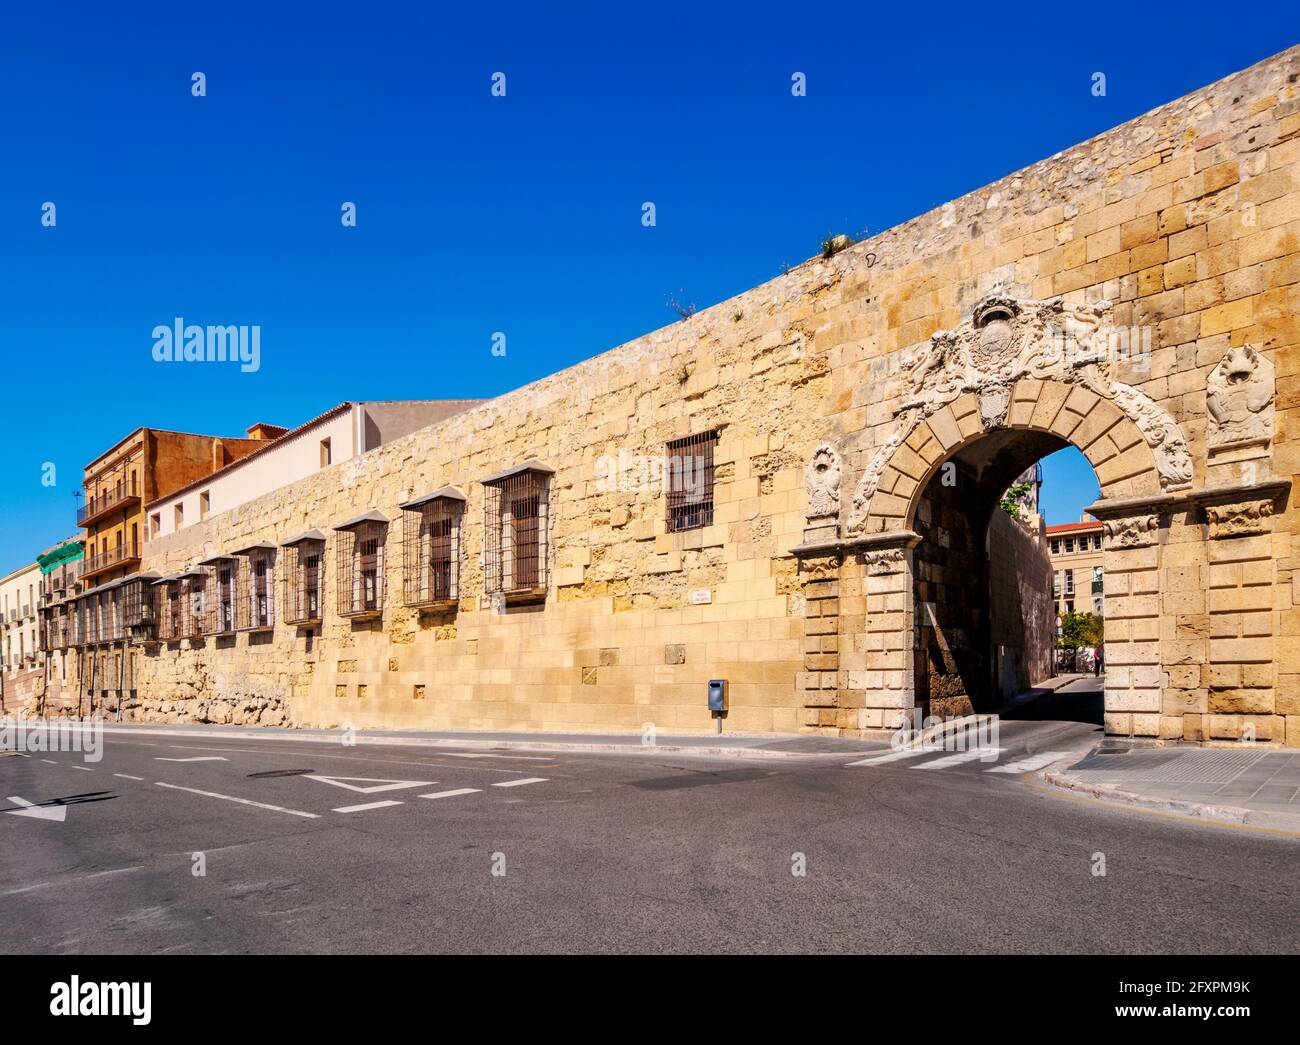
(1028, 765)
(127, 776)
(452, 794)
(367, 805)
(241, 801)
(84, 769)
(50, 761)
(876, 760)
(986, 753)
(525, 780)
(201, 758)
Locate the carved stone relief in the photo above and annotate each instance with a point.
(881, 563)
(1239, 399)
(1240, 518)
(822, 477)
(1005, 340)
(1132, 532)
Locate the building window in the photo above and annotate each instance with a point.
(1069, 582)
(361, 561)
(139, 612)
(1056, 547)
(431, 549)
(516, 513)
(155, 524)
(326, 455)
(221, 596)
(178, 516)
(255, 610)
(303, 558)
(690, 482)
(1069, 546)
(205, 504)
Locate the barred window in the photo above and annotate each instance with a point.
(431, 549)
(221, 596)
(690, 482)
(254, 611)
(170, 608)
(361, 558)
(139, 615)
(302, 561)
(515, 523)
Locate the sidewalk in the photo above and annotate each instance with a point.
(724, 745)
(1238, 785)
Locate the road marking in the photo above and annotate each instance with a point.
(384, 784)
(525, 780)
(452, 794)
(84, 769)
(127, 776)
(876, 760)
(241, 801)
(987, 754)
(1028, 765)
(367, 805)
(201, 758)
(57, 812)
(50, 761)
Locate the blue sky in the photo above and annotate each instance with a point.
(479, 214)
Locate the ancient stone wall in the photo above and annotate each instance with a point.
(837, 389)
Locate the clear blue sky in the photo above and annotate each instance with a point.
(477, 214)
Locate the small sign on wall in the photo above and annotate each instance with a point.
(702, 597)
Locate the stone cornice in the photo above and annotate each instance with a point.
(868, 543)
(1163, 504)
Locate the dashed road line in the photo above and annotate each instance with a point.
(128, 776)
(200, 758)
(524, 780)
(453, 794)
(50, 761)
(367, 805)
(84, 769)
(241, 801)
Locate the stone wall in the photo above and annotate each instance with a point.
(1183, 225)
(1022, 617)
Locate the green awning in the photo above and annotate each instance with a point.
(52, 560)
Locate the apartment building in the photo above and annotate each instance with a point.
(339, 434)
(1077, 572)
(20, 659)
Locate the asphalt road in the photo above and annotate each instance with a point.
(612, 853)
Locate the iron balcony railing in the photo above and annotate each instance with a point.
(106, 501)
(110, 558)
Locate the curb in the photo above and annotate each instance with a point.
(509, 745)
(1201, 810)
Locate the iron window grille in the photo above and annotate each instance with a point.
(690, 482)
(171, 609)
(361, 560)
(221, 596)
(516, 512)
(139, 612)
(256, 590)
(303, 568)
(431, 549)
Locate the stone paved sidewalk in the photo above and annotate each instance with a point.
(1241, 784)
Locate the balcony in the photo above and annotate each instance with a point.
(120, 496)
(119, 556)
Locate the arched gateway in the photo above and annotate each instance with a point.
(895, 580)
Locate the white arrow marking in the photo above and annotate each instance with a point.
(201, 758)
(382, 784)
(55, 812)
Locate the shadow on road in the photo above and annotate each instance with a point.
(1080, 701)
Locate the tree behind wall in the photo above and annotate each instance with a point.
(1081, 631)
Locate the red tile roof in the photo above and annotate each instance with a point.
(1078, 527)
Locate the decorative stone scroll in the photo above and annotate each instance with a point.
(1005, 340)
(882, 563)
(822, 477)
(1238, 400)
(1239, 518)
(1135, 531)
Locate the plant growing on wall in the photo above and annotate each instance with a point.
(1013, 498)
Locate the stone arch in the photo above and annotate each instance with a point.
(1120, 455)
